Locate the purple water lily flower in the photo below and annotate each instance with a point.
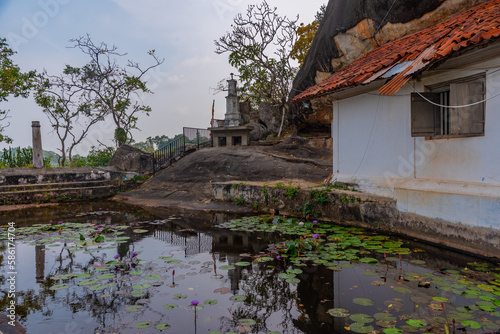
(117, 256)
(99, 225)
(315, 236)
(315, 221)
(60, 222)
(278, 257)
(194, 303)
(134, 254)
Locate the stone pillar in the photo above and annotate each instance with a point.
(40, 263)
(37, 145)
(232, 117)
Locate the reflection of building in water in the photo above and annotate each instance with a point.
(40, 263)
(192, 243)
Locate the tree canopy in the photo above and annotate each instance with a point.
(13, 82)
(259, 47)
(306, 35)
(80, 97)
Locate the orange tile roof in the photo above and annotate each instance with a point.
(408, 55)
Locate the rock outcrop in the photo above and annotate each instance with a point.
(352, 28)
(128, 158)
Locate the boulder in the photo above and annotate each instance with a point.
(128, 158)
(259, 132)
(269, 116)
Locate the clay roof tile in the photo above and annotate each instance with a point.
(441, 40)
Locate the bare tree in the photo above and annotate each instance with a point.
(81, 97)
(68, 111)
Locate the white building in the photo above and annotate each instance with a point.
(418, 120)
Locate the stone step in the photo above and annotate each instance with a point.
(57, 175)
(62, 194)
(50, 186)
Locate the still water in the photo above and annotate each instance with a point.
(106, 267)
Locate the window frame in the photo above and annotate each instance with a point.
(425, 115)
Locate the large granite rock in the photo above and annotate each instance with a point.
(259, 132)
(128, 158)
(269, 116)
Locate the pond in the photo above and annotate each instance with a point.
(106, 267)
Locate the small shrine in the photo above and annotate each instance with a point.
(231, 131)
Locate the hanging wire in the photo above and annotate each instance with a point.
(452, 107)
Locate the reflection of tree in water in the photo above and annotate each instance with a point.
(47, 301)
(316, 296)
(265, 294)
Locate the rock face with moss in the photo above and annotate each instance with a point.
(352, 28)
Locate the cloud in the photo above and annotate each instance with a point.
(198, 61)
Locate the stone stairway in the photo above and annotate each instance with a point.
(19, 186)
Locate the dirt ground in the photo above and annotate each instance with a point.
(186, 184)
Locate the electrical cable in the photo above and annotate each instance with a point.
(452, 107)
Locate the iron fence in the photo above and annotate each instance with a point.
(198, 137)
(191, 140)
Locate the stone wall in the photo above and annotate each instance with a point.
(363, 210)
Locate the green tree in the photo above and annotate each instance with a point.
(12, 83)
(259, 47)
(306, 35)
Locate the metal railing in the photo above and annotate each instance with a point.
(198, 137)
(191, 140)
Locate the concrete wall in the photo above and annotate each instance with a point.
(368, 211)
(456, 180)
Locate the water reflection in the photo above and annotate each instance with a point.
(270, 302)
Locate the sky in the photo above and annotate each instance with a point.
(181, 32)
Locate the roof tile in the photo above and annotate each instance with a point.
(471, 27)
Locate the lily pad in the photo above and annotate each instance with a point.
(393, 331)
(338, 312)
(401, 289)
(87, 282)
(179, 296)
(142, 325)
(140, 230)
(222, 291)
(162, 326)
(237, 298)
(363, 301)
(369, 260)
(416, 323)
(152, 277)
(136, 272)
(227, 267)
(361, 328)
(106, 276)
(210, 302)
(248, 322)
(170, 306)
(361, 318)
(134, 308)
(142, 286)
(242, 264)
(59, 287)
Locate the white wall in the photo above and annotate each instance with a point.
(373, 147)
